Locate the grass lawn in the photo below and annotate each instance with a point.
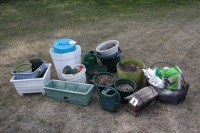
(149, 30)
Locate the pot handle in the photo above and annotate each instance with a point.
(96, 87)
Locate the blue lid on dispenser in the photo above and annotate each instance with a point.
(64, 45)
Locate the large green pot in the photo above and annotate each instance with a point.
(136, 76)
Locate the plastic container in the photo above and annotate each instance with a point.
(89, 59)
(110, 61)
(35, 85)
(137, 77)
(109, 50)
(35, 74)
(122, 93)
(36, 63)
(24, 68)
(62, 60)
(91, 71)
(72, 92)
(64, 45)
(78, 77)
(101, 87)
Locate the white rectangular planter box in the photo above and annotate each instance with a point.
(35, 85)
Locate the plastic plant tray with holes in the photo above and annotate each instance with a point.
(35, 85)
(31, 75)
(78, 93)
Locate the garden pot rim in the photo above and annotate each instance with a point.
(103, 73)
(99, 46)
(126, 63)
(133, 88)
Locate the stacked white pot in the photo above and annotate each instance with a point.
(78, 77)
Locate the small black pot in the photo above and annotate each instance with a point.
(36, 63)
(124, 94)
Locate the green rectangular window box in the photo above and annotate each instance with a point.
(78, 93)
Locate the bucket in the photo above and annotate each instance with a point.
(108, 48)
(110, 61)
(125, 93)
(137, 77)
(78, 77)
(61, 60)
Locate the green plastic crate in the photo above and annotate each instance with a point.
(78, 93)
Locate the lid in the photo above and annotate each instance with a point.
(64, 45)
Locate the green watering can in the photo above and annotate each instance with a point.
(89, 59)
(109, 98)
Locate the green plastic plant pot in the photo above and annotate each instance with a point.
(92, 70)
(122, 93)
(101, 87)
(137, 77)
(24, 68)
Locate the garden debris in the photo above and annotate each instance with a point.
(169, 78)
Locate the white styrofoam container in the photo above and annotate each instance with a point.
(35, 85)
(79, 77)
(62, 60)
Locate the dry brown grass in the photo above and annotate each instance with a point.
(174, 40)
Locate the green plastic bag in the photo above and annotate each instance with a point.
(174, 74)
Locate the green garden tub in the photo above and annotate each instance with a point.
(78, 93)
(136, 76)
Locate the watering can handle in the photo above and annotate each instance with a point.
(96, 87)
(117, 94)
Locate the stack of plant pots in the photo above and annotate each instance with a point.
(109, 54)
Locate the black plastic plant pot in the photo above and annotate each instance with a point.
(125, 93)
(110, 61)
(100, 87)
(92, 70)
(36, 63)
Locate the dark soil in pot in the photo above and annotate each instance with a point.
(108, 46)
(129, 67)
(125, 87)
(105, 80)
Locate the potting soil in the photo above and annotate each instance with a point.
(105, 80)
(129, 67)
